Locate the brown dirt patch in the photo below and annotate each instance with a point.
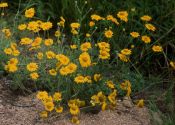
(19, 110)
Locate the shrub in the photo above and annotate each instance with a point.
(83, 67)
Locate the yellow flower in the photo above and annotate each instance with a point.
(123, 57)
(111, 18)
(85, 60)
(103, 45)
(104, 54)
(8, 51)
(108, 34)
(33, 26)
(73, 46)
(13, 61)
(53, 72)
(13, 45)
(150, 27)
(146, 18)
(74, 32)
(34, 76)
(146, 39)
(75, 120)
(47, 99)
(88, 79)
(74, 110)
(76, 102)
(75, 25)
(172, 64)
(134, 34)
(50, 54)
(32, 67)
(140, 103)
(88, 35)
(72, 102)
(94, 100)
(43, 114)
(41, 95)
(126, 85)
(85, 46)
(104, 106)
(62, 22)
(91, 23)
(79, 79)
(63, 59)
(59, 109)
(64, 71)
(39, 22)
(15, 52)
(57, 96)
(26, 41)
(157, 48)
(97, 77)
(11, 68)
(46, 25)
(101, 97)
(37, 41)
(123, 15)
(128, 91)
(126, 52)
(71, 68)
(110, 84)
(22, 26)
(57, 33)
(3, 5)
(48, 42)
(96, 17)
(112, 97)
(40, 55)
(49, 106)
(7, 32)
(29, 13)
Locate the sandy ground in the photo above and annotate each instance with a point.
(19, 110)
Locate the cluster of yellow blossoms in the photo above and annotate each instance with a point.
(85, 60)
(75, 105)
(124, 55)
(104, 52)
(126, 86)
(108, 102)
(12, 65)
(50, 102)
(74, 28)
(13, 62)
(7, 32)
(12, 50)
(35, 26)
(44, 55)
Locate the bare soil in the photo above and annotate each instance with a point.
(23, 110)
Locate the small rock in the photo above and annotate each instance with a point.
(1, 106)
(127, 102)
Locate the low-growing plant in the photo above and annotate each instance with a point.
(82, 69)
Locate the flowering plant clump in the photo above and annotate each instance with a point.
(73, 71)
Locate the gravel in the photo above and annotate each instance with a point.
(19, 110)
